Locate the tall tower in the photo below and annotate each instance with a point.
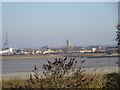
(67, 42)
(6, 41)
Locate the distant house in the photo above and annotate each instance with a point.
(6, 51)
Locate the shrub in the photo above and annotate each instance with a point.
(59, 68)
(58, 75)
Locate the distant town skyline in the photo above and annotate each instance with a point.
(39, 24)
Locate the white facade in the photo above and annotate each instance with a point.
(10, 50)
(93, 49)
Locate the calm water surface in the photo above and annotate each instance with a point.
(15, 66)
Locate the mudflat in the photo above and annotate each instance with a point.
(28, 57)
(53, 56)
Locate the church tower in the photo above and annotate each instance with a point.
(67, 42)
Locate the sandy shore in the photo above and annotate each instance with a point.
(21, 76)
(28, 57)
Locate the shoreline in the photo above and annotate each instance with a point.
(53, 56)
(27, 57)
(24, 76)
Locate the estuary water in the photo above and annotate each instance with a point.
(21, 66)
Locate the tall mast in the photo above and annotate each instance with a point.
(6, 41)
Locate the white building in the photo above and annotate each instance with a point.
(93, 49)
(9, 50)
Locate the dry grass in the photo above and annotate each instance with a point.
(58, 75)
(76, 81)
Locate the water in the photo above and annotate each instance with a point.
(17, 66)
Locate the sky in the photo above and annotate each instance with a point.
(119, 12)
(36, 24)
(0, 25)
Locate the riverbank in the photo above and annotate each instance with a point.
(79, 80)
(26, 75)
(28, 57)
(53, 56)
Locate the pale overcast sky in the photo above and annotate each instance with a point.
(39, 24)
